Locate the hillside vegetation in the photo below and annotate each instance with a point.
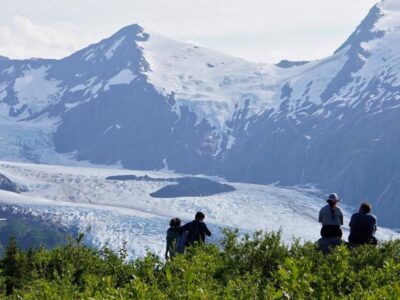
(30, 233)
(251, 267)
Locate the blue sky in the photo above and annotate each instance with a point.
(257, 30)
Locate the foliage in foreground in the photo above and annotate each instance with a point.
(256, 267)
(29, 233)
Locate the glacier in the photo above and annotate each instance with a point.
(142, 101)
(113, 211)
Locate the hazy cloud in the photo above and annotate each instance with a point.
(23, 38)
(259, 30)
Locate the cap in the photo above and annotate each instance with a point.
(333, 197)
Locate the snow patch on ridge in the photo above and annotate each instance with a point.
(209, 83)
(35, 90)
(110, 52)
(123, 77)
(390, 19)
(390, 5)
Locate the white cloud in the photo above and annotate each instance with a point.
(261, 30)
(22, 38)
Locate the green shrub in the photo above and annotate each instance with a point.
(259, 266)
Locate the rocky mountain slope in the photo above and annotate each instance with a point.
(146, 102)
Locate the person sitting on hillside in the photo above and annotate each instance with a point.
(363, 226)
(331, 218)
(196, 230)
(173, 236)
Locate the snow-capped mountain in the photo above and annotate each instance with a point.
(147, 102)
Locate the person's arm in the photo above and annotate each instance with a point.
(185, 227)
(167, 247)
(341, 216)
(320, 216)
(206, 231)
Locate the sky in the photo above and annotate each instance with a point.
(256, 30)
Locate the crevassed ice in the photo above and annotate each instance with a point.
(123, 210)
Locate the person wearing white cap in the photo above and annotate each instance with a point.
(331, 218)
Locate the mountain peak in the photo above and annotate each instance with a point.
(133, 30)
(2, 58)
(366, 31)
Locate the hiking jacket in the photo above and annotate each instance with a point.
(197, 232)
(362, 228)
(173, 234)
(331, 216)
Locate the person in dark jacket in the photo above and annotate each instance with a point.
(363, 226)
(196, 230)
(173, 236)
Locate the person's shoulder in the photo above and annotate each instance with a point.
(324, 207)
(203, 224)
(339, 208)
(169, 232)
(188, 224)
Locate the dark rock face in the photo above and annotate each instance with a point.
(355, 159)
(7, 185)
(357, 55)
(135, 126)
(290, 64)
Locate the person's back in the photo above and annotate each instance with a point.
(331, 215)
(173, 236)
(331, 218)
(363, 226)
(196, 230)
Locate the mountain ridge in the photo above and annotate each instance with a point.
(146, 102)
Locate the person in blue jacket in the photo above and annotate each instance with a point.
(173, 238)
(196, 230)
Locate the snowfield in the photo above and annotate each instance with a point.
(111, 211)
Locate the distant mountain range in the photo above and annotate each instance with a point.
(147, 102)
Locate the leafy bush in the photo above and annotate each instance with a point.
(250, 267)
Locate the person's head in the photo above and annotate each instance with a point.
(333, 199)
(365, 207)
(199, 216)
(176, 222)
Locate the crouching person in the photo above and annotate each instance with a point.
(363, 226)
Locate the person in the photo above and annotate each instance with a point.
(331, 218)
(196, 230)
(173, 237)
(363, 226)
